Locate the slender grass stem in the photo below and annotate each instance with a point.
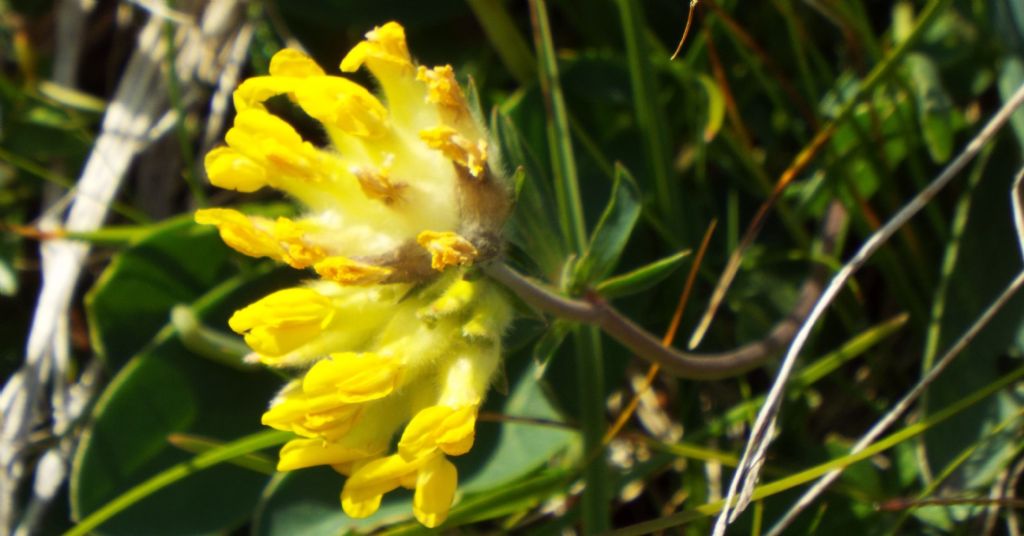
(589, 363)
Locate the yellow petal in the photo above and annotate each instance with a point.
(457, 432)
(363, 490)
(300, 453)
(290, 62)
(240, 232)
(460, 150)
(452, 430)
(418, 437)
(293, 306)
(295, 237)
(227, 168)
(349, 272)
(359, 504)
(435, 490)
(352, 378)
(270, 140)
(283, 321)
(384, 43)
(253, 92)
(294, 411)
(376, 183)
(446, 249)
(343, 104)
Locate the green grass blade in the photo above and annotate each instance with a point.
(210, 458)
(642, 278)
(567, 189)
(650, 117)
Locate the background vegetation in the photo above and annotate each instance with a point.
(878, 96)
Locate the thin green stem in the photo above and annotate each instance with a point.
(650, 116)
(210, 458)
(590, 392)
(949, 259)
(589, 364)
(567, 190)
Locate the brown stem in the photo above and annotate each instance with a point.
(697, 366)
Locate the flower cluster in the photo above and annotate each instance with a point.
(397, 330)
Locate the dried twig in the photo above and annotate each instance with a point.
(141, 98)
(749, 469)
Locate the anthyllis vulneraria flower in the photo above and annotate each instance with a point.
(397, 329)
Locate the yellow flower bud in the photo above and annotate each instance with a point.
(247, 235)
(435, 490)
(439, 427)
(384, 44)
(293, 63)
(283, 320)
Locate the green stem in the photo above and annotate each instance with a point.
(567, 190)
(650, 117)
(589, 364)
(590, 391)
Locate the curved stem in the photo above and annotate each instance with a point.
(698, 366)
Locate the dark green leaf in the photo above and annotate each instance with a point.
(612, 231)
(987, 261)
(162, 392)
(167, 389)
(174, 264)
(549, 343)
(530, 227)
(642, 278)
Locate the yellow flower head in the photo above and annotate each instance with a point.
(397, 330)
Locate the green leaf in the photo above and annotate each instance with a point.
(235, 451)
(986, 263)
(529, 227)
(935, 110)
(174, 263)
(716, 107)
(642, 278)
(549, 343)
(612, 231)
(159, 393)
(167, 389)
